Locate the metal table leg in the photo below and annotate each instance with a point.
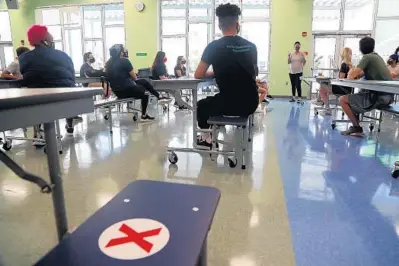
(56, 180)
(203, 261)
(195, 99)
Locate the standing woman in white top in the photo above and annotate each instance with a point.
(297, 61)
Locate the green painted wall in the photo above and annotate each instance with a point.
(289, 18)
(140, 28)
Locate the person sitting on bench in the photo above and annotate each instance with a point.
(234, 62)
(46, 67)
(393, 66)
(159, 72)
(372, 67)
(13, 70)
(346, 65)
(124, 81)
(87, 71)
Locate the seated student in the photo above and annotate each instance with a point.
(180, 68)
(124, 81)
(346, 65)
(46, 67)
(13, 70)
(87, 70)
(234, 62)
(393, 66)
(159, 72)
(372, 67)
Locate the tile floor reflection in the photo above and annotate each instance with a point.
(309, 196)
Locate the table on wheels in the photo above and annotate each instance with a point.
(148, 223)
(194, 85)
(26, 107)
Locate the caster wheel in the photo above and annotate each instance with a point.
(135, 118)
(316, 112)
(7, 145)
(379, 130)
(232, 163)
(243, 167)
(395, 173)
(106, 117)
(60, 152)
(333, 126)
(172, 157)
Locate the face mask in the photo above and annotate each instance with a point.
(184, 62)
(165, 59)
(92, 60)
(126, 54)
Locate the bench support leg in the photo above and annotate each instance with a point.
(380, 122)
(243, 146)
(202, 261)
(110, 118)
(56, 180)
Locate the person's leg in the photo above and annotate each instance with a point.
(262, 94)
(323, 93)
(148, 86)
(349, 103)
(144, 104)
(292, 79)
(298, 85)
(204, 112)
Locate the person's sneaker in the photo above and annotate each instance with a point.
(77, 118)
(259, 110)
(353, 131)
(269, 96)
(39, 143)
(298, 100)
(183, 108)
(164, 100)
(69, 130)
(146, 118)
(265, 101)
(292, 100)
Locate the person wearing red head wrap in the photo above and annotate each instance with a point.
(46, 67)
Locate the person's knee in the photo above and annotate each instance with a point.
(343, 100)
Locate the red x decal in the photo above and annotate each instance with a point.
(135, 237)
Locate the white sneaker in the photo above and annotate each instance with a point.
(38, 143)
(259, 110)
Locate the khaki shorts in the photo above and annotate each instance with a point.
(366, 101)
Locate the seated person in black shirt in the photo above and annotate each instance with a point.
(346, 65)
(87, 71)
(46, 67)
(234, 62)
(159, 72)
(180, 68)
(124, 81)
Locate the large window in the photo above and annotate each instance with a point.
(6, 49)
(187, 26)
(386, 33)
(80, 29)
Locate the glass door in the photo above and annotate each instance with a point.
(6, 55)
(353, 43)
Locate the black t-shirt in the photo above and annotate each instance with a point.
(182, 69)
(45, 68)
(158, 71)
(118, 70)
(344, 69)
(234, 62)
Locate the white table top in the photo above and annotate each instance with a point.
(374, 85)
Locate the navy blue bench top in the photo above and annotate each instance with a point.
(186, 211)
(391, 109)
(228, 120)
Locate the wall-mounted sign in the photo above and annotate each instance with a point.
(141, 54)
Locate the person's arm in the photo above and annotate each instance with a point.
(129, 68)
(206, 60)
(289, 58)
(358, 72)
(303, 59)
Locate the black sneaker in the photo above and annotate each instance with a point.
(265, 101)
(292, 100)
(353, 131)
(145, 118)
(182, 107)
(269, 96)
(77, 118)
(68, 129)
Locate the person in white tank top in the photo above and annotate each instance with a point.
(297, 61)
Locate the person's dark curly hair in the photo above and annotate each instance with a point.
(228, 15)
